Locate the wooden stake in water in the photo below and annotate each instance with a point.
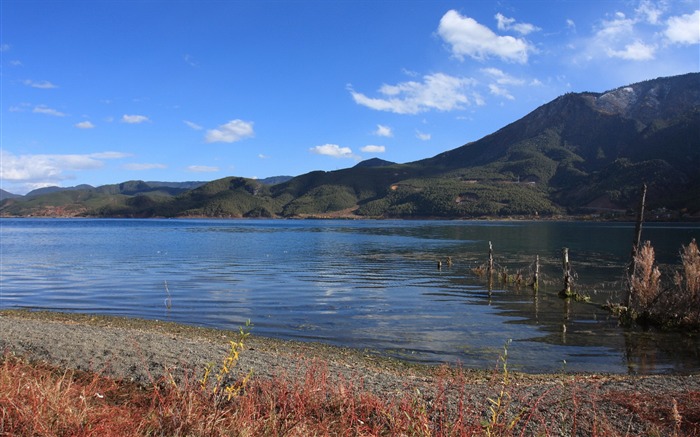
(490, 265)
(566, 266)
(536, 277)
(637, 241)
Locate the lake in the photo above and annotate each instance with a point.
(364, 284)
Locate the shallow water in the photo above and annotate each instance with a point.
(363, 284)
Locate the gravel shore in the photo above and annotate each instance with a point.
(143, 350)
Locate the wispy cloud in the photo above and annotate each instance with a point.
(438, 91)
(383, 131)
(134, 119)
(500, 91)
(44, 84)
(202, 169)
(373, 149)
(43, 109)
(505, 23)
(502, 78)
(501, 81)
(234, 130)
(110, 155)
(643, 33)
(333, 150)
(423, 136)
(649, 11)
(85, 125)
(192, 125)
(467, 37)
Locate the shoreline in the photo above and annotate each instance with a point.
(219, 338)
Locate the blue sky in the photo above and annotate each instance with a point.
(105, 91)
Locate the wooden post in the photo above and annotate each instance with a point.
(636, 242)
(489, 268)
(566, 292)
(536, 277)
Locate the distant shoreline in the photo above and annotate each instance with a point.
(558, 218)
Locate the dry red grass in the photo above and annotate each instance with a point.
(39, 400)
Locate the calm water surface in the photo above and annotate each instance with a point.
(364, 284)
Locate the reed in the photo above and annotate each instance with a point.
(656, 300)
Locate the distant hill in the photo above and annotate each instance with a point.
(274, 180)
(7, 195)
(49, 190)
(582, 153)
(374, 162)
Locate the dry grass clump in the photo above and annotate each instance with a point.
(673, 304)
(39, 400)
(645, 282)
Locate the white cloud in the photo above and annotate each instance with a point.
(437, 91)
(110, 155)
(622, 38)
(684, 29)
(423, 136)
(262, 156)
(501, 92)
(636, 51)
(383, 131)
(649, 11)
(502, 78)
(16, 63)
(469, 38)
(143, 166)
(202, 169)
(373, 149)
(44, 85)
(85, 125)
(4, 47)
(333, 150)
(134, 119)
(43, 109)
(234, 130)
(27, 172)
(505, 23)
(192, 125)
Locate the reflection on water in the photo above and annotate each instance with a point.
(365, 284)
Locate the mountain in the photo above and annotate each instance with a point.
(374, 162)
(7, 195)
(274, 180)
(598, 148)
(582, 153)
(48, 190)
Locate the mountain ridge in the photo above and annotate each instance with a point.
(580, 153)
